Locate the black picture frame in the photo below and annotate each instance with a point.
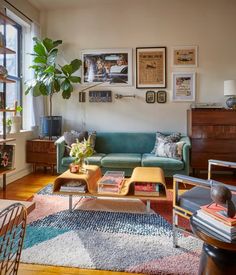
(161, 97)
(100, 96)
(150, 97)
(151, 67)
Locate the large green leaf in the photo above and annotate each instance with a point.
(76, 63)
(50, 44)
(43, 89)
(40, 59)
(39, 49)
(75, 79)
(57, 85)
(28, 90)
(36, 90)
(52, 57)
(65, 85)
(67, 70)
(67, 93)
(50, 69)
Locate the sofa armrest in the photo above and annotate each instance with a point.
(186, 153)
(60, 147)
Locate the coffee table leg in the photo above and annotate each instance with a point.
(148, 206)
(70, 203)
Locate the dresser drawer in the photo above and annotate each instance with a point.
(214, 146)
(213, 117)
(214, 131)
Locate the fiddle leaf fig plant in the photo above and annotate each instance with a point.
(50, 77)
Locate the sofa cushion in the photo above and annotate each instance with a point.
(194, 198)
(121, 160)
(95, 159)
(66, 161)
(150, 160)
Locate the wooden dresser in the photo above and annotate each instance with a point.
(213, 136)
(41, 152)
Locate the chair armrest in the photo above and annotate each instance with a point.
(186, 153)
(60, 147)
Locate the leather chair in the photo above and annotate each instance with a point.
(189, 202)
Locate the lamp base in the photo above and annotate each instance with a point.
(231, 103)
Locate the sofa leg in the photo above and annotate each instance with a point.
(175, 231)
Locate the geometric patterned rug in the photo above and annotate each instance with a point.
(106, 234)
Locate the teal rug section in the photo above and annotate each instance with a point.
(35, 234)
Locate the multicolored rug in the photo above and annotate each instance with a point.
(107, 234)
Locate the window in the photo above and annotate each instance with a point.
(13, 65)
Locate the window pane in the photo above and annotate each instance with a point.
(11, 43)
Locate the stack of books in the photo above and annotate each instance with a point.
(74, 186)
(213, 218)
(111, 182)
(146, 189)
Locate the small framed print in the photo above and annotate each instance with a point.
(183, 86)
(161, 97)
(100, 96)
(184, 56)
(150, 96)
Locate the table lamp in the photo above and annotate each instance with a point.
(230, 91)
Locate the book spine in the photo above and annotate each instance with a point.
(146, 193)
(212, 228)
(215, 222)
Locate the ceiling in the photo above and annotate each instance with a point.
(61, 4)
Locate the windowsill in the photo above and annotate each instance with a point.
(21, 133)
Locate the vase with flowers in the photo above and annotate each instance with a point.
(80, 150)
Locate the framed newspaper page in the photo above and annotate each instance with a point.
(183, 86)
(151, 67)
(185, 56)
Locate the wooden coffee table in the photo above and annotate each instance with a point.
(91, 178)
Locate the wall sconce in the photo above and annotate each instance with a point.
(119, 96)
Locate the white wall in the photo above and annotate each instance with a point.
(210, 24)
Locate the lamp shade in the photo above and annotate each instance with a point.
(230, 87)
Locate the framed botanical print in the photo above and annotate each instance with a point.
(151, 67)
(185, 56)
(108, 67)
(183, 86)
(150, 96)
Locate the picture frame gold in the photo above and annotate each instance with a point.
(150, 67)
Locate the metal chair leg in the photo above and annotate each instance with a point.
(175, 230)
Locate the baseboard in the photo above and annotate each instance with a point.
(18, 174)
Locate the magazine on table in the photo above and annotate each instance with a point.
(74, 186)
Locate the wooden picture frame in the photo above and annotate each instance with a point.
(151, 67)
(107, 66)
(183, 86)
(185, 56)
(161, 97)
(150, 97)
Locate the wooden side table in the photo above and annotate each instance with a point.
(41, 152)
(218, 255)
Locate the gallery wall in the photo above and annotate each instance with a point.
(104, 24)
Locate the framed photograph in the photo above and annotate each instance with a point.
(100, 96)
(151, 67)
(183, 86)
(184, 56)
(161, 97)
(150, 96)
(108, 66)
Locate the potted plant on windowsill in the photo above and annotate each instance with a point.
(16, 120)
(50, 77)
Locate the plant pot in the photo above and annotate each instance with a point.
(74, 168)
(16, 124)
(8, 129)
(50, 126)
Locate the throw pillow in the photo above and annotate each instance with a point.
(169, 149)
(174, 137)
(92, 138)
(70, 137)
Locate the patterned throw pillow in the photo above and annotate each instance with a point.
(174, 137)
(92, 138)
(169, 149)
(70, 137)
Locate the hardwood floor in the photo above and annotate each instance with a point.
(25, 188)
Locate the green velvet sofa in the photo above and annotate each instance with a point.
(125, 151)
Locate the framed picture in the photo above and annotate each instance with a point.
(183, 86)
(151, 67)
(184, 56)
(161, 97)
(108, 66)
(150, 96)
(100, 96)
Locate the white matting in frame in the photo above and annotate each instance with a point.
(184, 86)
